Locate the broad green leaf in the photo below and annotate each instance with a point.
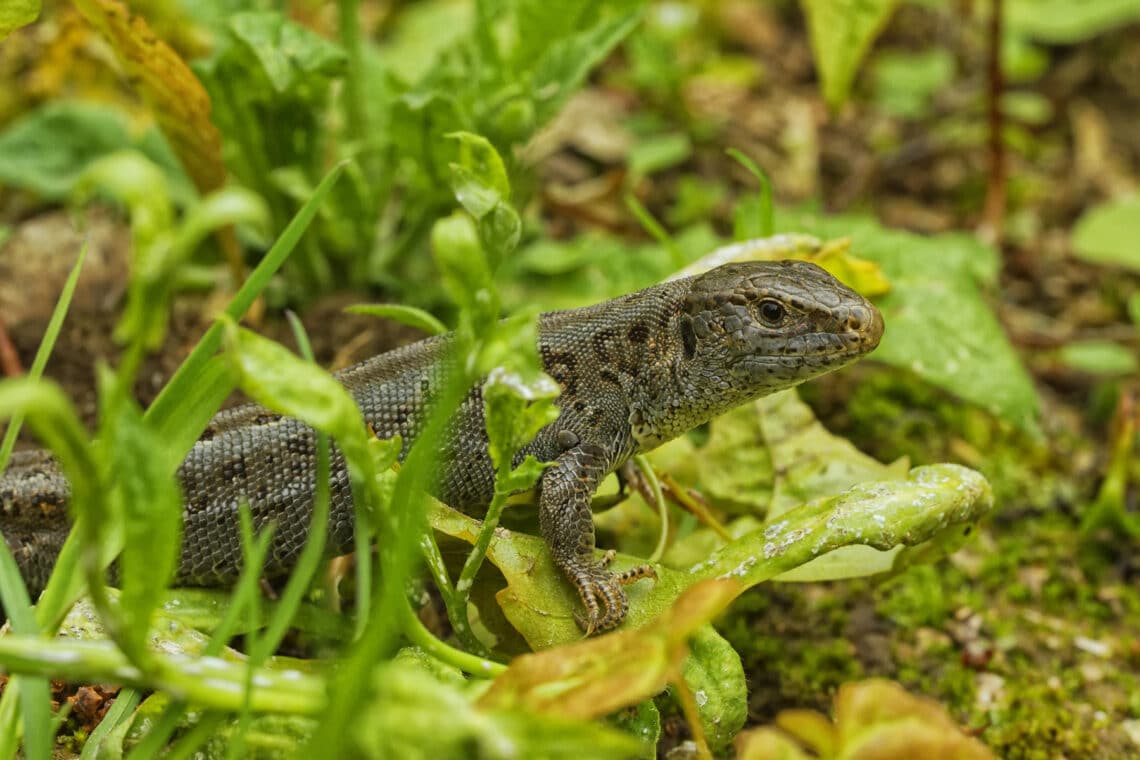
(566, 59)
(766, 457)
(479, 181)
(17, 13)
(278, 379)
(464, 267)
(138, 183)
(642, 721)
(82, 653)
(882, 514)
(1107, 233)
(1063, 23)
(47, 150)
(483, 167)
(841, 34)
(938, 323)
(402, 313)
(1099, 357)
(516, 408)
(288, 54)
(230, 205)
(905, 83)
(715, 674)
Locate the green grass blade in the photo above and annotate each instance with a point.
(35, 693)
(125, 704)
(55, 324)
(181, 385)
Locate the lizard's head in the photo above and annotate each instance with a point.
(770, 325)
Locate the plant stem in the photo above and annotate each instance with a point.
(993, 211)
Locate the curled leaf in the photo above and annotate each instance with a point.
(176, 97)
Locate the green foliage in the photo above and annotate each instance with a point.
(408, 315)
(1062, 22)
(906, 82)
(403, 720)
(841, 33)
(17, 13)
(147, 502)
(1099, 357)
(49, 149)
(161, 246)
(487, 79)
(1107, 233)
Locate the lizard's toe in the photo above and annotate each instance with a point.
(602, 595)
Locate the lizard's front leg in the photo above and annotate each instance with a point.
(568, 528)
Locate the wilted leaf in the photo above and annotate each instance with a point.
(841, 33)
(834, 255)
(176, 98)
(874, 720)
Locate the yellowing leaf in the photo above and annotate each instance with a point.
(595, 677)
(833, 255)
(176, 97)
(874, 720)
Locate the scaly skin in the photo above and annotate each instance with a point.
(635, 372)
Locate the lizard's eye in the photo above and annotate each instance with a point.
(772, 312)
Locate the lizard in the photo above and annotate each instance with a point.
(634, 372)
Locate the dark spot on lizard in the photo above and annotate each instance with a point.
(608, 376)
(567, 439)
(688, 338)
(638, 333)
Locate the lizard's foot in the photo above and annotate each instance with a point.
(601, 593)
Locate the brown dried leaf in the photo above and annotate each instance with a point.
(595, 677)
(180, 104)
(874, 720)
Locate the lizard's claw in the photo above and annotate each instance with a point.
(602, 595)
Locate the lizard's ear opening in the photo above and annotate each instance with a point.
(688, 337)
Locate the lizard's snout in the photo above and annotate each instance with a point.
(865, 323)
